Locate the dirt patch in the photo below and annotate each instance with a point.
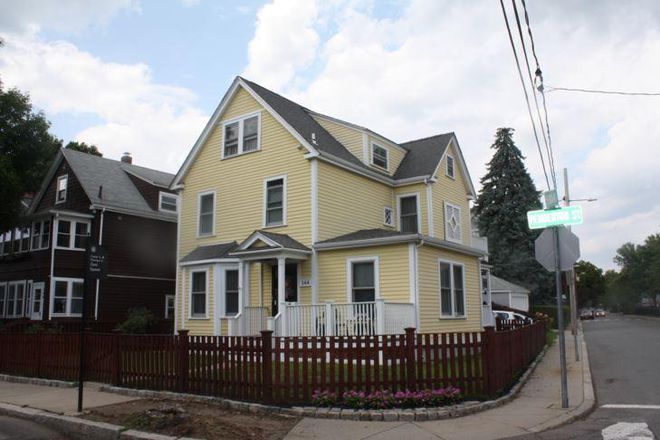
(193, 419)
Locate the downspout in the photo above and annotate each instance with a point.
(416, 290)
(98, 281)
(53, 239)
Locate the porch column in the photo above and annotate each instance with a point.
(246, 267)
(281, 265)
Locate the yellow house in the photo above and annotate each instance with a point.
(301, 223)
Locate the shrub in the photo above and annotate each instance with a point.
(551, 311)
(138, 320)
(386, 399)
(35, 328)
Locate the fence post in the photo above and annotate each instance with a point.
(182, 367)
(410, 358)
(490, 362)
(267, 365)
(116, 360)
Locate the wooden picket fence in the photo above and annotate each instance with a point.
(282, 369)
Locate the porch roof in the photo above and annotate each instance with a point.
(209, 252)
(269, 244)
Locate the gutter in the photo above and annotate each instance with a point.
(134, 213)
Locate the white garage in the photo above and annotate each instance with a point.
(508, 294)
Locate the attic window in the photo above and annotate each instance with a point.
(241, 135)
(450, 166)
(62, 183)
(379, 156)
(167, 202)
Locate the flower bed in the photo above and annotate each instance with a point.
(386, 399)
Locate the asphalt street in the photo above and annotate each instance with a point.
(19, 429)
(624, 353)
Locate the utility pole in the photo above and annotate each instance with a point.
(571, 279)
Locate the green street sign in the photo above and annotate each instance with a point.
(571, 215)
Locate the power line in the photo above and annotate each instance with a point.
(522, 81)
(536, 102)
(604, 92)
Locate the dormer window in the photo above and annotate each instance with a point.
(62, 183)
(379, 156)
(450, 166)
(241, 135)
(168, 202)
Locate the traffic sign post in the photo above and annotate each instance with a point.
(545, 218)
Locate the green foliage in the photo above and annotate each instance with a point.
(507, 193)
(84, 148)
(590, 284)
(551, 311)
(35, 328)
(26, 150)
(139, 320)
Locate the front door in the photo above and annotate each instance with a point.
(290, 285)
(37, 311)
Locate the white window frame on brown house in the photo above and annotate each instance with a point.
(73, 226)
(161, 202)
(69, 298)
(59, 190)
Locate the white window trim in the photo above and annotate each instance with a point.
(460, 222)
(57, 189)
(20, 312)
(392, 222)
(387, 156)
(41, 233)
(4, 303)
(167, 298)
(223, 290)
(199, 209)
(453, 162)
(160, 201)
(207, 294)
(42, 287)
(284, 201)
(69, 296)
(27, 299)
(20, 231)
(398, 210)
(349, 275)
(240, 120)
(72, 233)
(452, 295)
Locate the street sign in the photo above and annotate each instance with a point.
(96, 262)
(569, 249)
(544, 218)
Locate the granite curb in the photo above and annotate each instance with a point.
(390, 415)
(78, 428)
(37, 381)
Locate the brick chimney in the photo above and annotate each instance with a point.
(126, 158)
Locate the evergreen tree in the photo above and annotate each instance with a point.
(84, 148)
(507, 193)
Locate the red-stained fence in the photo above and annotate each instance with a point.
(282, 369)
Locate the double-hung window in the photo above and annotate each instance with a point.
(3, 299)
(363, 276)
(67, 295)
(231, 292)
(25, 239)
(168, 202)
(453, 223)
(72, 234)
(206, 213)
(169, 306)
(450, 166)
(198, 292)
(275, 201)
(379, 156)
(241, 135)
(40, 234)
(452, 293)
(409, 214)
(60, 193)
(15, 299)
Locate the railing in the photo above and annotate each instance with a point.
(249, 322)
(282, 369)
(352, 319)
(304, 320)
(398, 317)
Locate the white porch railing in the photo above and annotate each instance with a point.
(249, 322)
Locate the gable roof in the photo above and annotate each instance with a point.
(273, 240)
(500, 285)
(420, 162)
(119, 192)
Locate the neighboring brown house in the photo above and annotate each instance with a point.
(127, 209)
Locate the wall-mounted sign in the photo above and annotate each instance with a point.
(305, 282)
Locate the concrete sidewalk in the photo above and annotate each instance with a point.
(59, 400)
(536, 408)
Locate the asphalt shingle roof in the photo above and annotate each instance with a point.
(423, 156)
(210, 252)
(118, 189)
(498, 284)
(365, 234)
(282, 239)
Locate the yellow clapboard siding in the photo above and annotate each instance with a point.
(394, 277)
(239, 182)
(446, 189)
(349, 137)
(429, 291)
(420, 190)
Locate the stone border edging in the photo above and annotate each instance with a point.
(80, 428)
(37, 381)
(390, 415)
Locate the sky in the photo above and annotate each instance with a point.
(144, 76)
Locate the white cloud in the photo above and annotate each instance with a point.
(445, 66)
(157, 123)
(67, 16)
